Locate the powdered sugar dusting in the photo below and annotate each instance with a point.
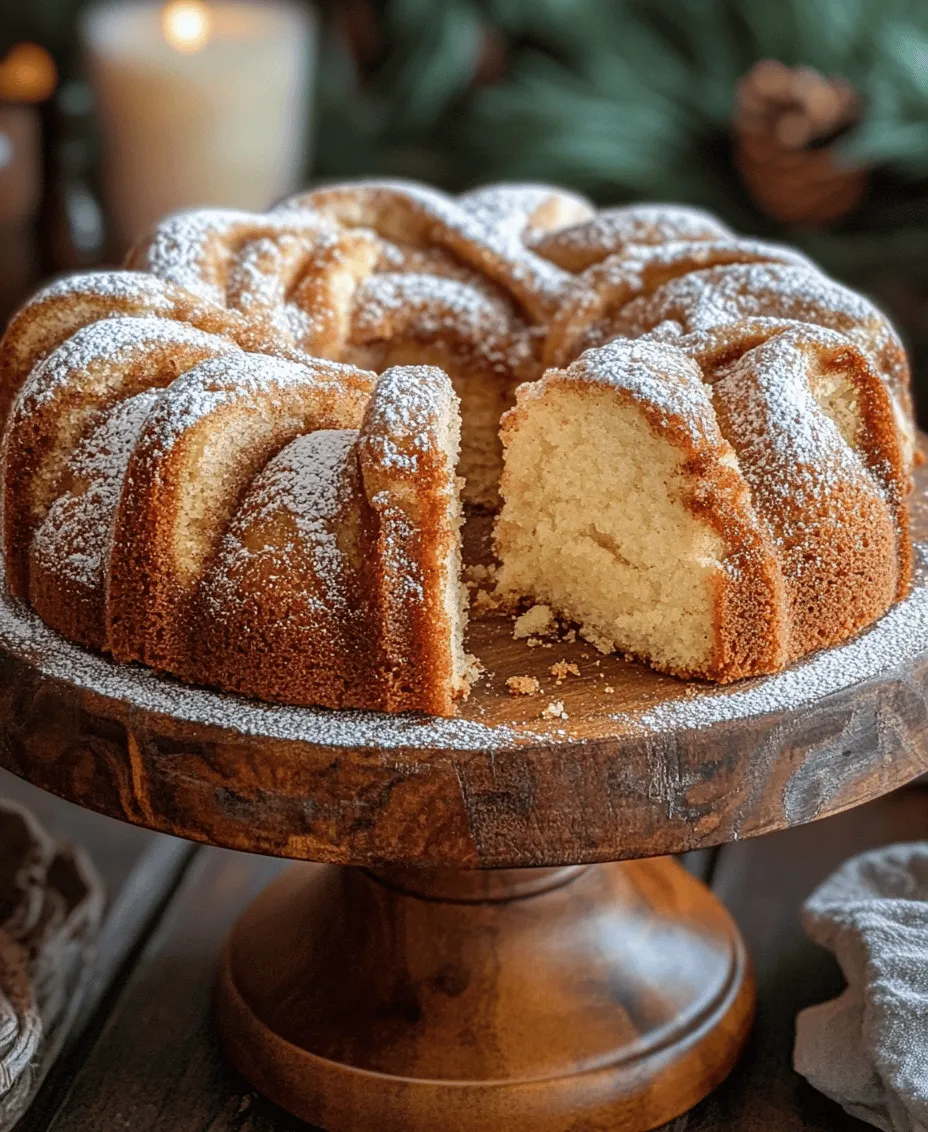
(398, 535)
(659, 376)
(782, 431)
(122, 286)
(614, 229)
(25, 635)
(255, 278)
(75, 535)
(892, 643)
(218, 381)
(486, 228)
(113, 342)
(401, 421)
(182, 247)
(469, 273)
(791, 454)
(636, 263)
(503, 215)
(308, 480)
(705, 300)
(435, 308)
(192, 249)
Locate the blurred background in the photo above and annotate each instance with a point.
(803, 120)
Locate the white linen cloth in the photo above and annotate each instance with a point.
(868, 1048)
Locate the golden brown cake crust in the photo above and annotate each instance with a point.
(149, 409)
(229, 415)
(329, 584)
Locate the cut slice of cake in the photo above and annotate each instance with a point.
(625, 511)
(337, 581)
(408, 451)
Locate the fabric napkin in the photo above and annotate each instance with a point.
(868, 1048)
(51, 905)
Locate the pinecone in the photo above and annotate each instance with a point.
(786, 120)
(357, 25)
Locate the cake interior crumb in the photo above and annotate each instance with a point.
(536, 621)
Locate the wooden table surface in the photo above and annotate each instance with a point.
(144, 1056)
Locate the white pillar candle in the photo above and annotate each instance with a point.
(199, 104)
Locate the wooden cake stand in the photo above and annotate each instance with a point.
(403, 986)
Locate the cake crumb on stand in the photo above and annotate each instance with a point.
(562, 670)
(522, 685)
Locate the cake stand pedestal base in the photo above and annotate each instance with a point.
(605, 997)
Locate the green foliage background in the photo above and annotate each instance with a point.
(622, 99)
(628, 99)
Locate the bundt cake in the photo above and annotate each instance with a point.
(703, 461)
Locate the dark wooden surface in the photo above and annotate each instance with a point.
(145, 1056)
(591, 997)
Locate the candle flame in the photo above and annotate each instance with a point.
(27, 74)
(186, 25)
